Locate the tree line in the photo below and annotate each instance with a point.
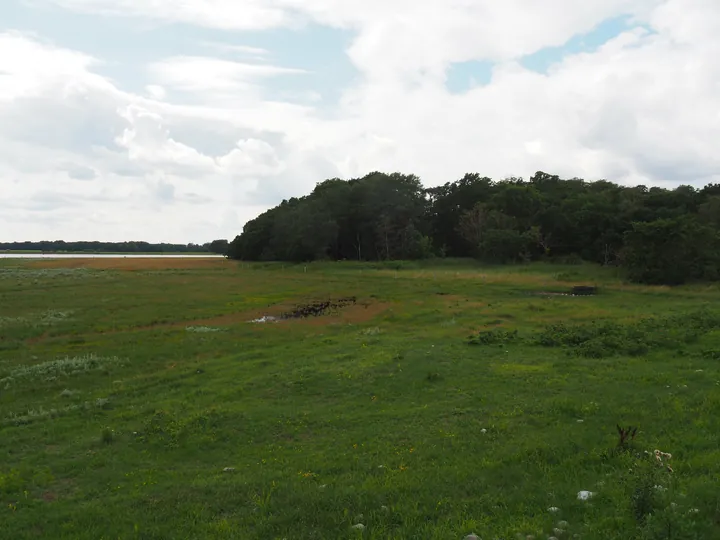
(657, 235)
(60, 246)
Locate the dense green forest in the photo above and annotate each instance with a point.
(657, 235)
(59, 246)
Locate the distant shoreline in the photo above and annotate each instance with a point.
(158, 253)
(104, 255)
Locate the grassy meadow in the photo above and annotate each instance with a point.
(137, 401)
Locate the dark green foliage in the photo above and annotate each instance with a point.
(219, 246)
(377, 217)
(107, 436)
(607, 338)
(672, 251)
(584, 290)
(642, 479)
(59, 246)
(660, 236)
(496, 336)
(505, 246)
(433, 377)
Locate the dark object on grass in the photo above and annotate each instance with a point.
(317, 309)
(583, 290)
(108, 435)
(626, 435)
(433, 377)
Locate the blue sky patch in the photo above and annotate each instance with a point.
(542, 60)
(464, 76)
(128, 45)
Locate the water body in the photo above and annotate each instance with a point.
(6, 255)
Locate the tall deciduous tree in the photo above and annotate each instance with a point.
(659, 235)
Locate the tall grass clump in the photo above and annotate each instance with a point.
(608, 338)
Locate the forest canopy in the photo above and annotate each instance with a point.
(657, 235)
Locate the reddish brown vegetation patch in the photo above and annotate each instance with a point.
(359, 312)
(154, 263)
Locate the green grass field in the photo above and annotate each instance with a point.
(138, 402)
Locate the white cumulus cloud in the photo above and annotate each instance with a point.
(203, 147)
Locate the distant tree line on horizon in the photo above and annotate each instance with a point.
(60, 246)
(659, 236)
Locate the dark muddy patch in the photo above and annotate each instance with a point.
(319, 308)
(584, 291)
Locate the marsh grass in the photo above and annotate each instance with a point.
(118, 421)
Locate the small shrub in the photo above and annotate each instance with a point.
(627, 435)
(11, 482)
(642, 497)
(107, 436)
(433, 377)
(709, 354)
(496, 336)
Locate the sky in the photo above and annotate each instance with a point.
(179, 121)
